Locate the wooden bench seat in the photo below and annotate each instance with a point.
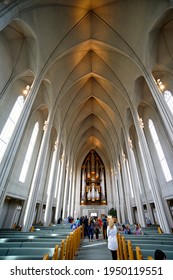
(11, 244)
(153, 247)
(29, 244)
(30, 251)
(9, 240)
(33, 236)
(153, 242)
(23, 257)
(45, 234)
(40, 244)
(147, 237)
(4, 251)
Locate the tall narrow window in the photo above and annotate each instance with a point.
(166, 94)
(29, 153)
(159, 150)
(10, 125)
(169, 99)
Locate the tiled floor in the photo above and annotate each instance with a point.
(93, 250)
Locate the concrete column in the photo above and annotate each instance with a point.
(122, 205)
(113, 187)
(59, 193)
(127, 190)
(136, 184)
(38, 177)
(66, 190)
(130, 189)
(153, 182)
(117, 198)
(70, 194)
(51, 183)
(73, 192)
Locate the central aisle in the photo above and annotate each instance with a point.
(93, 250)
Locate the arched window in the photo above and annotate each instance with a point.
(29, 153)
(10, 125)
(169, 99)
(159, 150)
(166, 94)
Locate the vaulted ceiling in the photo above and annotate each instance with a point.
(90, 54)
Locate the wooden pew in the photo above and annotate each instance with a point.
(138, 253)
(130, 250)
(150, 253)
(148, 245)
(46, 257)
(34, 243)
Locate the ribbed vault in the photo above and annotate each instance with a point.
(92, 70)
(89, 54)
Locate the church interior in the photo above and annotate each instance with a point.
(86, 111)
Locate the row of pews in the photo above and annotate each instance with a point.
(56, 242)
(142, 247)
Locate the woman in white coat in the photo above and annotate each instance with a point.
(112, 238)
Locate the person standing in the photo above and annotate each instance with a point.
(97, 229)
(90, 229)
(112, 238)
(85, 222)
(104, 227)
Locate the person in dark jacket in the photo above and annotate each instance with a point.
(104, 227)
(85, 222)
(159, 255)
(97, 229)
(90, 229)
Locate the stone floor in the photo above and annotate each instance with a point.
(93, 250)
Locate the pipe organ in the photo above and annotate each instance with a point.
(93, 183)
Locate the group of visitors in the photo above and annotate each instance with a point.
(75, 224)
(138, 230)
(127, 230)
(95, 226)
(91, 226)
(107, 227)
(113, 244)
